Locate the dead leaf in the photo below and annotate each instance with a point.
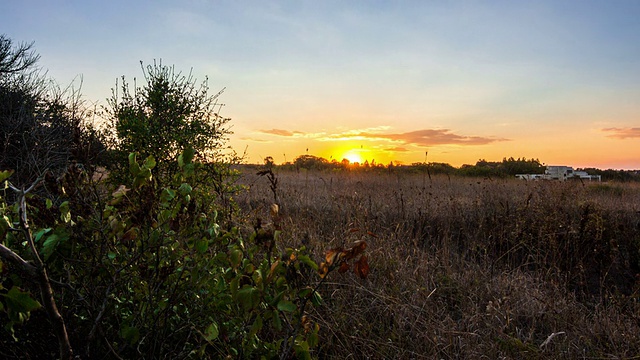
(361, 267)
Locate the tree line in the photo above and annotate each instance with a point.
(508, 167)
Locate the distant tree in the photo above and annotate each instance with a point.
(310, 162)
(513, 166)
(441, 168)
(481, 169)
(506, 168)
(614, 175)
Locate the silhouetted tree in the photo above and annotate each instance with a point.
(16, 59)
(42, 127)
(310, 162)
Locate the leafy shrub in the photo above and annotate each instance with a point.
(164, 117)
(153, 275)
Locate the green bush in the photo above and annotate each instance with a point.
(151, 274)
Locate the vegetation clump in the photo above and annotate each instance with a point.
(144, 265)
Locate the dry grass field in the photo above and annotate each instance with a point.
(465, 268)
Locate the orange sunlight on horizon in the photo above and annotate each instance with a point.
(353, 157)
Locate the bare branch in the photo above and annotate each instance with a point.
(14, 60)
(15, 259)
(46, 292)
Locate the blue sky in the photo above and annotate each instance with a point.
(385, 80)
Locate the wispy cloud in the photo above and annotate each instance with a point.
(424, 137)
(397, 149)
(280, 132)
(432, 137)
(623, 133)
(291, 134)
(255, 140)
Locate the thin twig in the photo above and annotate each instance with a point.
(46, 292)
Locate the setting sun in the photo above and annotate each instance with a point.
(353, 157)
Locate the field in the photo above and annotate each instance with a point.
(464, 267)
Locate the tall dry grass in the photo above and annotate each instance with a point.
(468, 268)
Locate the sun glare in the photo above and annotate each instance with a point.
(353, 157)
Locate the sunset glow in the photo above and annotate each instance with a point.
(353, 157)
(383, 81)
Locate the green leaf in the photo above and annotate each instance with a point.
(65, 213)
(130, 334)
(185, 189)
(19, 301)
(248, 297)
(286, 306)
(167, 195)
(143, 176)
(49, 203)
(313, 339)
(235, 257)
(5, 224)
(189, 170)
(256, 326)
(50, 245)
(305, 292)
(277, 322)
(214, 230)
(234, 285)
(212, 332)
(302, 349)
(38, 235)
(202, 245)
(134, 168)
(186, 157)
(59, 236)
(150, 162)
(316, 299)
(164, 216)
(4, 175)
(305, 259)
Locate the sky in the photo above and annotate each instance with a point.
(402, 81)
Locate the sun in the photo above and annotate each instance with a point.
(353, 157)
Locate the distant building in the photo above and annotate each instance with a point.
(561, 173)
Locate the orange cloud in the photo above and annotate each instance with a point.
(431, 137)
(397, 149)
(255, 140)
(623, 133)
(424, 137)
